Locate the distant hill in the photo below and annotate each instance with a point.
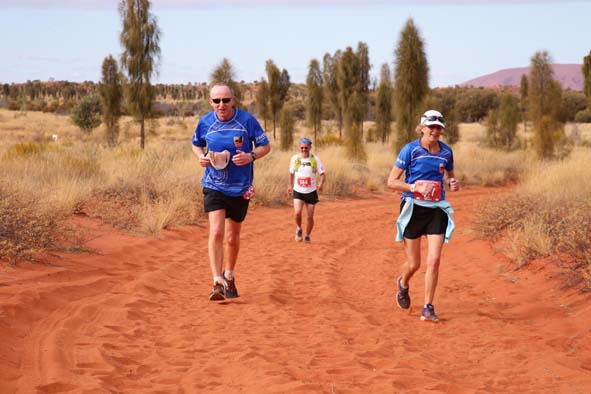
(569, 76)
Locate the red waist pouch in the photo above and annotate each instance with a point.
(434, 195)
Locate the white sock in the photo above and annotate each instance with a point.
(218, 280)
(229, 274)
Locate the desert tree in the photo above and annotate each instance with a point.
(444, 100)
(279, 84)
(384, 114)
(523, 92)
(314, 96)
(351, 98)
(87, 113)
(544, 105)
(363, 81)
(411, 82)
(330, 66)
(140, 39)
(586, 69)
(286, 124)
(224, 74)
(111, 94)
(262, 101)
(502, 122)
(348, 82)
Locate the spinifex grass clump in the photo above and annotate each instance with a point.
(28, 225)
(548, 215)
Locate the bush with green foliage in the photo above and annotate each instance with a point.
(87, 114)
(583, 116)
(572, 103)
(501, 124)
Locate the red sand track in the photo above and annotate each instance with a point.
(320, 318)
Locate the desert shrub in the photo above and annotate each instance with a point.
(549, 215)
(28, 224)
(572, 102)
(87, 114)
(583, 116)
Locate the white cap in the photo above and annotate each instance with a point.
(432, 117)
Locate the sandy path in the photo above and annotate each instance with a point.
(318, 318)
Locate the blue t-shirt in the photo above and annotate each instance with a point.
(421, 165)
(239, 133)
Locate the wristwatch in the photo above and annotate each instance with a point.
(412, 188)
(254, 155)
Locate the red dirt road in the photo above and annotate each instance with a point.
(319, 318)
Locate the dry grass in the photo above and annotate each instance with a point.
(46, 181)
(549, 215)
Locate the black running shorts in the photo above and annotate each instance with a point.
(425, 221)
(236, 207)
(308, 198)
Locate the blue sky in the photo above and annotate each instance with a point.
(68, 39)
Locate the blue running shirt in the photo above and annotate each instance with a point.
(239, 133)
(421, 165)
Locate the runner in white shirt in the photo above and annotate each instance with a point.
(303, 169)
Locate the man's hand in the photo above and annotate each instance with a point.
(204, 161)
(242, 158)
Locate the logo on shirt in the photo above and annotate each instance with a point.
(238, 141)
(441, 168)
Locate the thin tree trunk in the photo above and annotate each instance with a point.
(142, 133)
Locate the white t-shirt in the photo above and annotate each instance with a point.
(305, 179)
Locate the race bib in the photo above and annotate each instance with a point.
(305, 182)
(434, 195)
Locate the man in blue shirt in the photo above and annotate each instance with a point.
(233, 139)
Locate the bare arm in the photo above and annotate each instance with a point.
(394, 181)
(290, 186)
(322, 180)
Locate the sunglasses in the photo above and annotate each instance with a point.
(224, 100)
(434, 119)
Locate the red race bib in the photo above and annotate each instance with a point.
(435, 194)
(305, 182)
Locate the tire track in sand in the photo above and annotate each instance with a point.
(317, 318)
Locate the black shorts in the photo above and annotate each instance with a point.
(308, 198)
(425, 221)
(236, 207)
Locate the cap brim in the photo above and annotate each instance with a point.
(435, 122)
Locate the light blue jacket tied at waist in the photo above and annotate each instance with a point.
(406, 213)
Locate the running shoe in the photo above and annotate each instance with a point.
(428, 313)
(298, 236)
(307, 239)
(218, 293)
(231, 290)
(402, 296)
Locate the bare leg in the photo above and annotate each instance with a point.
(434, 247)
(310, 218)
(297, 210)
(233, 242)
(412, 248)
(216, 241)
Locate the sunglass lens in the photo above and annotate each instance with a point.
(224, 100)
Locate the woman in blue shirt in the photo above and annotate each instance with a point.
(424, 210)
